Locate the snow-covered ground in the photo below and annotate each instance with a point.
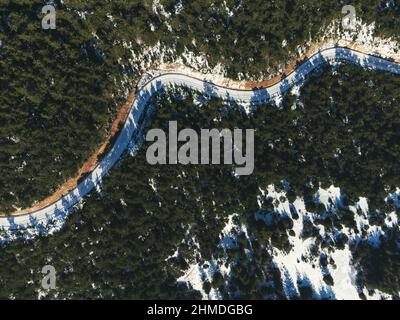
(148, 87)
(300, 266)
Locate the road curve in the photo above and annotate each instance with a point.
(60, 209)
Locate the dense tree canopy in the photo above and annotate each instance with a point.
(150, 223)
(61, 88)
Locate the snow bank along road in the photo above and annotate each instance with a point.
(61, 208)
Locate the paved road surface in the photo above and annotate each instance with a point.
(61, 208)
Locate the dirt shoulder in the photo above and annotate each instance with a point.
(123, 112)
(90, 163)
(310, 51)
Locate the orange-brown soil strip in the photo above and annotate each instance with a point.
(89, 165)
(289, 69)
(123, 112)
(292, 66)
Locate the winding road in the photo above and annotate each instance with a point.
(60, 209)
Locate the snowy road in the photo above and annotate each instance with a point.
(62, 207)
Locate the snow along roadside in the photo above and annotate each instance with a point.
(55, 213)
